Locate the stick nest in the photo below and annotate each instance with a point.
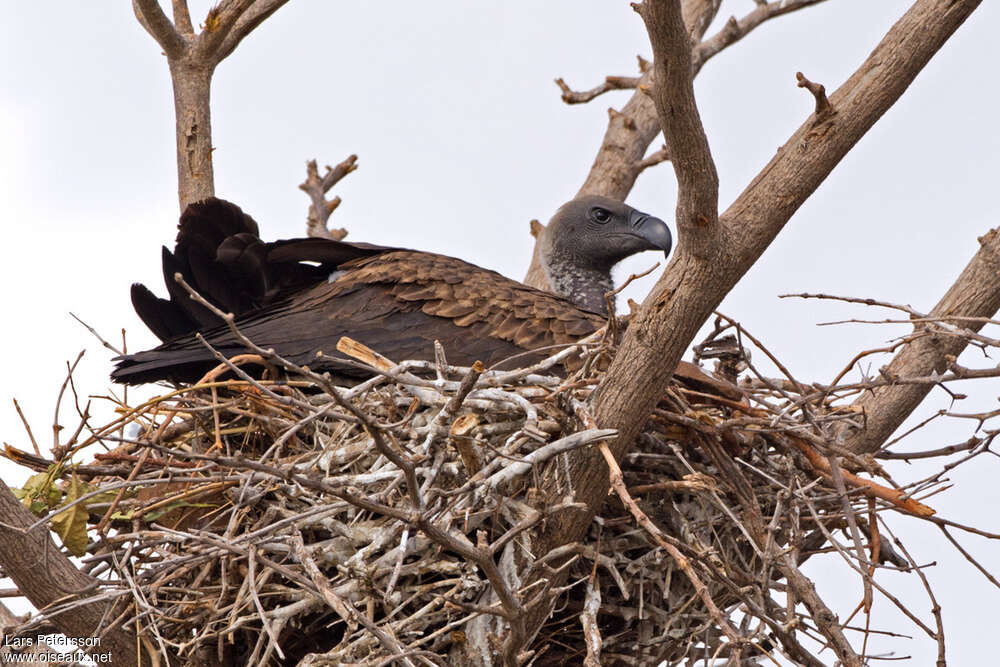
(252, 522)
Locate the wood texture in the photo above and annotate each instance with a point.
(711, 258)
(976, 293)
(45, 576)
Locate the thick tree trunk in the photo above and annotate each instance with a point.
(192, 81)
(192, 59)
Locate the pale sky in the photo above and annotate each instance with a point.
(462, 139)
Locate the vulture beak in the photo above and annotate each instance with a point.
(652, 230)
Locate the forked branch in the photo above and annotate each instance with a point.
(192, 58)
(320, 207)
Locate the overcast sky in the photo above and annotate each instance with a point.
(462, 139)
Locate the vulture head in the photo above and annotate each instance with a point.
(586, 238)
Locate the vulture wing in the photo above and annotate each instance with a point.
(396, 301)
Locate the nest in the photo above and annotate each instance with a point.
(297, 523)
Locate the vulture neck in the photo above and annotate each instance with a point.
(584, 285)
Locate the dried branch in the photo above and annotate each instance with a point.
(182, 18)
(975, 293)
(619, 486)
(630, 134)
(734, 30)
(654, 158)
(258, 12)
(570, 96)
(321, 208)
(622, 154)
(156, 23)
(673, 94)
(219, 22)
(823, 107)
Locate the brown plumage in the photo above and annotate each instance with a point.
(396, 301)
(300, 296)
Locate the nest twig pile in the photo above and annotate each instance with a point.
(252, 522)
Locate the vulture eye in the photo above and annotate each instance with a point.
(599, 215)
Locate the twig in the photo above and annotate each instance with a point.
(823, 107)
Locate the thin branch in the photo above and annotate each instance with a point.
(735, 30)
(570, 96)
(975, 293)
(618, 484)
(818, 91)
(654, 158)
(247, 23)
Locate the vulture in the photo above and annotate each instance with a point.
(300, 296)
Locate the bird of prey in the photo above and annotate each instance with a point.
(300, 296)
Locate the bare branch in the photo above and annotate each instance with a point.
(247, 23)
(976, 293)
(621, 157)
(182, 18)
(735, 30)
(321, 208)
(156, 23)
(570, 96)
(219, 22)
(823, 107)
(673, 94)
(615, 167)
(618, 485)
(655, 158)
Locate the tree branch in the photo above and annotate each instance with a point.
(620, 159)
(192, 60)
(219, 22)
(257, 14)
(182, 18)
(735, 30)
(321, 208)
(818, 92)
(156, 23)
(673, 94)
(711, 258)
(631, 131)
(976, 293)
(45, 576)
(570, 96)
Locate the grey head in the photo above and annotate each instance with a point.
(586, 238)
